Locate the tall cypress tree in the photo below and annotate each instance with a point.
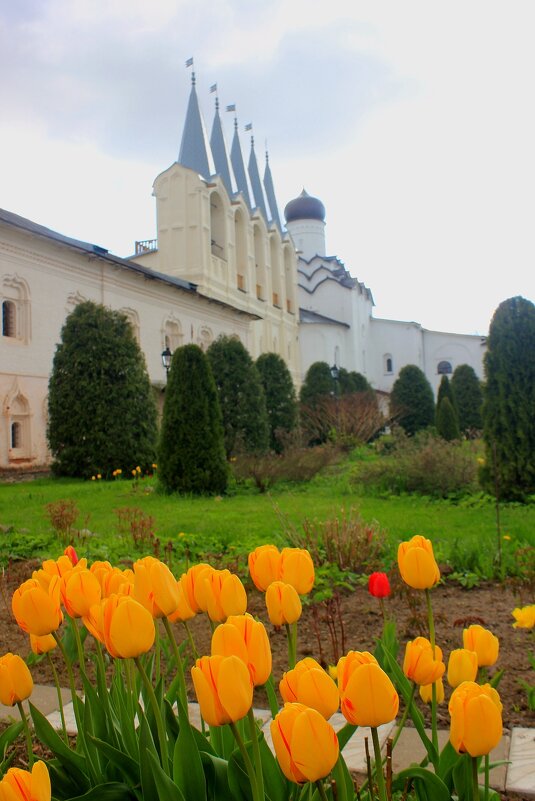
(241, 397)
(446, 420)
(101, 409)
(468, 395)
(412, 400)
(191, 455)
(509, 399)
(281, 402)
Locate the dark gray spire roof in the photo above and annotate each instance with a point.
(193, 148)
(238, 166)
(270, 194)
(256, 184)
(219, 152)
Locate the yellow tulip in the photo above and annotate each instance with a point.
(223, 688)
(297, 569)
(368, 698)
(195, 587)
(222, 593)
(283, 603)
(483, 642)
(80, 589)
(476, 718)
(21, 785)
(462, 666)
(155, 587)
(264, 566)
(42, 645)
(524, 617)
(123, 625)
(349, 663)
(426, 692)
(16, 683)
(309, 684)
(247, 638)
(420, 665)
(183, 611)
(113, 580)
(57, 567)
(37, 610)
(305, 744)
(417, 564)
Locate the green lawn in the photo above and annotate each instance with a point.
(238, 522)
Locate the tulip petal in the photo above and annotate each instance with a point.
(235, 687)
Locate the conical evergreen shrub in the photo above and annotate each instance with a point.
(447, 422)
(281, 402)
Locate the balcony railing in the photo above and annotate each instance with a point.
(146, 246)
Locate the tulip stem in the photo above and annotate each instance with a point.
(291, 633)
(60, 699)
(272, 696)
(194, 652)
(434, 732)
(256, 752)
(79, 647)
(403, 720)
(321, 790)
(74, 696)
(475, 782)
(247, 761)
(26, 733)
(487, 777)
(182, 691)
(157, 714)
(378, 765)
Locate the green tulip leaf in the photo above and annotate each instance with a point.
(110, 791)
(74, 763)
(462, 777)
(238, 779)
(167, 789)
(188, 770)
(216, 773)
(127, 766)
(146, 747)
(8, 736)
(345, 734)
(426, 784)
(275, 783)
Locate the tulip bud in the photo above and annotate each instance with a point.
(155, 587)
(420, 665)
(37, 610)
(21, 785)
(223, 594)
(71, 553)
(368, 696)
(417, 563)
(483, 642)
(426, 692)
(283, 603)
(297, 569)
(16, 683)
(524, 617)
(42, 645)
(223, 687)
(124, 626)
(247, 638)
(462, 666)
(264, 566)
(378, 585)
(80, 589)
(305, 744)
(309, 684)
(476, 718)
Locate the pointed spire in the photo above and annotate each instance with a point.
(193, 147)
(270, 194)
(236, 159)
(219, 149)
(256, 184)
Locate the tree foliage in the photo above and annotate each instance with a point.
(281, 402)
(468, 395)
(102, 414)
(446, 420)
(351, 381)
(241, 397)
(509, 399)
(318, 383)
(191, 455)
(412, 401)
(445, 391)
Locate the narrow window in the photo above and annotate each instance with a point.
(16, 435)
(8, 319)
(388, 363)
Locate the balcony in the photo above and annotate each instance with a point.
(146, 246)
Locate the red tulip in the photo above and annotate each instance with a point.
(378, 585)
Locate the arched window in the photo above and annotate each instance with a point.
(172, 334)
(15, 299)
(205, 338)
(217, 227)
(260, 263)
(16, 435)
(444, 368)
(18, 414)
(240, 238)
(133, 318)
(276, 282)
(388, 363)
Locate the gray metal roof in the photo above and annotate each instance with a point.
(256, 183)
(270, 194)
(194, 150)
(236, 159)
(308, 316)
(219, 153)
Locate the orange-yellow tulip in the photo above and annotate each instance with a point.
(37, 610)
(155, 587)
(42, 645)
(183, 611)
(426, 692)
(476, 718)
(309, 684)
(524, 617)
(71, 553)
(223, 687)
(193, 585)
(21, 785)
(483, 642)
(113, 580)
(283, 603)
(247, 638)
(462, 666)
(16, 683)
(80, 590)
(297, 569)
(368, 696)
(419, 664)
(417, 564)
(305, 744)
(124, 626)
(349, 663)
(222, 594)
(264, 566)
(57, 567)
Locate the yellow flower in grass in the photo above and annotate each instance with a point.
(483, 642)
(305, 744)
(309, 684)
(16, 683)
(21, 785)
(476, 718)
(524, 617)
(223, 687)
(416, 562)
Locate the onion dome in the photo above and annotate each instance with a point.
(304, 207)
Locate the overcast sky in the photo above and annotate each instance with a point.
(413, 121)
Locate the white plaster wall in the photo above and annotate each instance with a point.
(308, 237)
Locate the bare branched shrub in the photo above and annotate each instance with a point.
(295, 464)
(62, 516)
(350, 420)
(133, 523)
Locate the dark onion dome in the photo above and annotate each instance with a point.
(304, 207)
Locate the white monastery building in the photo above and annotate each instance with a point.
(222, 263)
